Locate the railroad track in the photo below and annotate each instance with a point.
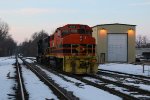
(124, 78)
(132, 90)
(125, 74)
(58, 91)
(21, 92)
(113, 88)
(124, 91)
(105, 84)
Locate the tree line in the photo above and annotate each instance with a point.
(29, 47)
(142, 42)
(7, 44)
(9, 47)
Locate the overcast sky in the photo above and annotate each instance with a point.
(28, 16)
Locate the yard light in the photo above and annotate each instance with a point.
(130, 31)
(103, 31)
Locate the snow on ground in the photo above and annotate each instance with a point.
(37, 90)
(127, 82)
(29, 60)
(7, 72)
(127, 68)
(142, 86)
(30, 57)
(83, 91)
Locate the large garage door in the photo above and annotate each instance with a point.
(117, 47)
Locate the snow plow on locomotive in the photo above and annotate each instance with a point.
(70, 48)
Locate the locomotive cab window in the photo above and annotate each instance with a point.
(65, 32)
(81, 31)
(73, 31)
(71, 26)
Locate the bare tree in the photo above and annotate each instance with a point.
(138, 41)
(7, 44)
(29, 47)
(4, 28)
(141, 41)
(144, 40)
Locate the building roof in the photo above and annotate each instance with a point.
(113, 24)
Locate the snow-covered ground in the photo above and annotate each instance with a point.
(127, 68)
(7, 81)
(37, 90)
(29, 60)
(33, 58)
(129, 81)
(82, 90)
(121, 89)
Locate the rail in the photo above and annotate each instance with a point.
(112, 90)
(105, 88)
(137, 76)
(56, 90)
(123, 76)
(20, 80)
